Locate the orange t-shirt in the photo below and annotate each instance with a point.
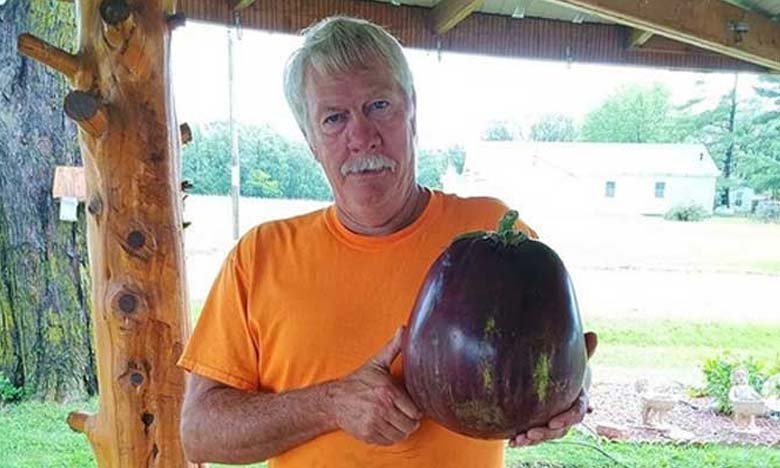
(302, 301)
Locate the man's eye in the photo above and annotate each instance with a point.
(333, 119)
(379, 105)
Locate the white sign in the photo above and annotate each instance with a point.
(68, 209)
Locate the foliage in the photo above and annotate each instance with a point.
(717, 373)
(634, 114)
(273, 166)
(433, 163)
(554, 127)
(768, 210)
(9, 393)
(498, 130)
(686, 212)
(761, 160)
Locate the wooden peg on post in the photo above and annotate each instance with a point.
(186, 133)
(175, 20)
(79, 421)
(118, 22)
(49, 55)
(87, 112)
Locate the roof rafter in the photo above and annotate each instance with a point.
(709, 24)
(448, 13)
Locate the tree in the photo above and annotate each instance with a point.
(498, 130)
(554, 127)
(45, 330)
(634, 114)
(433, 163)
(272, 166)
(724, 129)
(761, 167)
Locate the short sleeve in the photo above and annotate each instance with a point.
(222, 346)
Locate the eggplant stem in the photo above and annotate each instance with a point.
(506, 225)
(507, 232)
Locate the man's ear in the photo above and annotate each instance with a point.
(313, 150)
(414, 113)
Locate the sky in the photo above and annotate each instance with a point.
(458, 95)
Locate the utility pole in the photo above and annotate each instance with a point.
(235, 174)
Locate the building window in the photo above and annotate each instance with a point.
(738, 198)
(610, 189)
(660, 189)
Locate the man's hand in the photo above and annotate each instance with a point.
(560, 424)
(370, 406)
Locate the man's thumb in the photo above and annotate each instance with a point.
(388, 353)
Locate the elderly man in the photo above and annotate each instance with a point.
(293, 356)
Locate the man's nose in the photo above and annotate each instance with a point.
(363, 135)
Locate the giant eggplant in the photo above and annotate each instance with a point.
(494, 344)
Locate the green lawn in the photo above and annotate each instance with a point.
(670, 344)
(35, 435)
(576, 450)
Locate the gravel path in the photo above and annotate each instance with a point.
(618, 403)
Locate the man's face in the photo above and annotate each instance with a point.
(362, 132)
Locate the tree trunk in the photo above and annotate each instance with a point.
(45, 332)
(129, 139)
(728, 161)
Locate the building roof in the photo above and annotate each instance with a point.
(591, 159)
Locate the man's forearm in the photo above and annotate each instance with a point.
(233, 426)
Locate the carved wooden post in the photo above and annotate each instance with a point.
(130, 140)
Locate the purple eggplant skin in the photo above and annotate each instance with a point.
(494, 345)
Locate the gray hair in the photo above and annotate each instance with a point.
(340, 44)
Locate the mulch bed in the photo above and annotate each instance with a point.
(618, 403)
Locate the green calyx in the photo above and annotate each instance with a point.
(506, 229)
(505, 232)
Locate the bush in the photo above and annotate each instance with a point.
(686, 212)
(717, 373)
(768, 210)
(9, 393)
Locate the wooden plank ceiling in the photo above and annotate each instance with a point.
(678, 34)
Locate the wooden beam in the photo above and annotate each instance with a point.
(495, 35)
(710, 24)
(638, 38)
(447, 13)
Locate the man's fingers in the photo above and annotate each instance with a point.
(391, 433)
(571, 416)
(388, 353)
(402, 421)
(404, 403)
(591, 341)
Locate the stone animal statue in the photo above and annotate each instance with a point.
(657, 401)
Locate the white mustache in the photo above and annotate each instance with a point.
(369, 162)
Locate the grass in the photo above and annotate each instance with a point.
(571, 452)
(35, 435)
(671, 344)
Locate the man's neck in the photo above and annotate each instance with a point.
(366, 224)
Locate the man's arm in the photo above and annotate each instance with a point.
(223, 424)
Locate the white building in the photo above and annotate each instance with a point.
(589, 177)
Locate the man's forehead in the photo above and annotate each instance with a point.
(320, 86)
